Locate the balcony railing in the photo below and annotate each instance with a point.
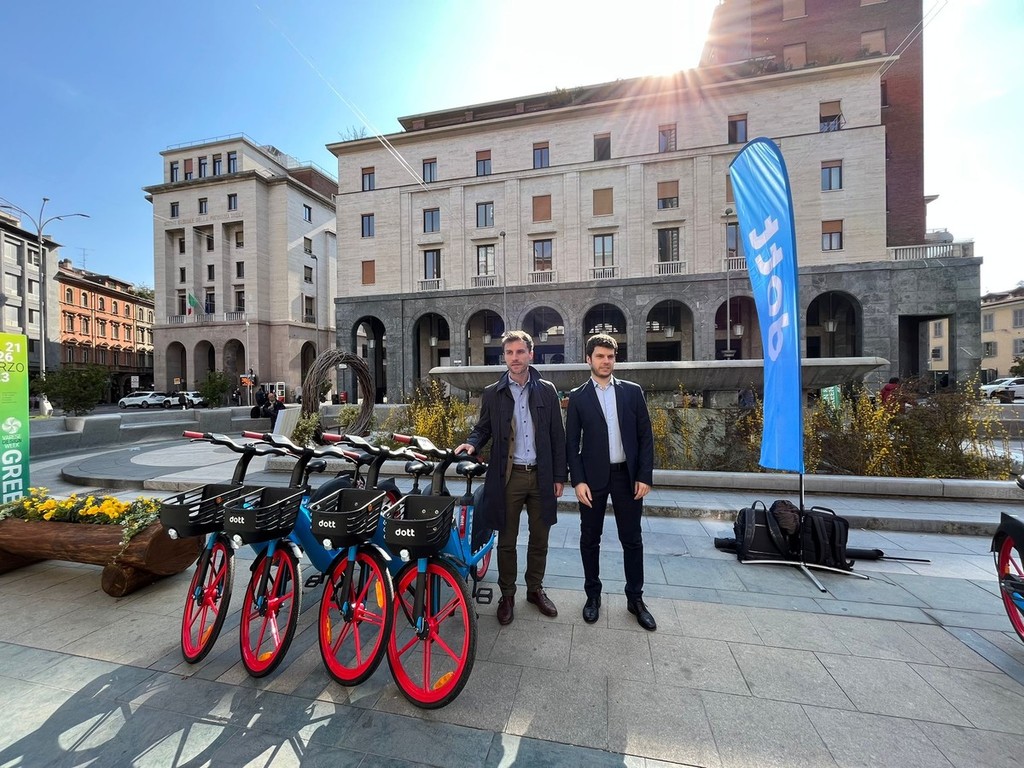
(604, 273)
(543, 276)
(734, 263)
(932, 251)
(670, 268)
(433, 284)
(309, 319)
(485, 281)
(207, 318)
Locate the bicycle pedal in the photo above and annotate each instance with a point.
(314, 581)
(483, 595)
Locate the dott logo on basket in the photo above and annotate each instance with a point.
(326, 524)
(404, 532)
(236, 519)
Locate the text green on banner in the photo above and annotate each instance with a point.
(14, 429)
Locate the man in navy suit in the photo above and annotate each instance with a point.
(610, 448)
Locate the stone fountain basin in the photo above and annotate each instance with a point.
(687, 375)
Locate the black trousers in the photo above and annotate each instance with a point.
(627, 519)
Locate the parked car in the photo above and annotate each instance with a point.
(193, 399)
(987, 390)
(143, 400)
(1010, 391)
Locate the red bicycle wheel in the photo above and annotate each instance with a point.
(206, 605)
(268, 620)
(432, 666)
(1009, 565)
(355, 624)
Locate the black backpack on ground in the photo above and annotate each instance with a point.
(758, 536)
(823, 536)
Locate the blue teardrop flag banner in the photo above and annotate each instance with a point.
(764, 206)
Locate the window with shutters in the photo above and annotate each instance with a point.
(603, 205)
(542, 208)
(832, 235)
(668, 194)
(369, 272)
(483, 163)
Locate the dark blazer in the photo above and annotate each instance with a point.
(587, 435)
(495, 424)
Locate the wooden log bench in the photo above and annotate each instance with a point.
(150, 555)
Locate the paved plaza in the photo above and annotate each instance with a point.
(750, 666)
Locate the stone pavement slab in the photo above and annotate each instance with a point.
(750, 666)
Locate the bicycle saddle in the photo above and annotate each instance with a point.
(470, 468)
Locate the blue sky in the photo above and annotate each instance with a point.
(96, 90)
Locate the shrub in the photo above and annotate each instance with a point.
(76, 391)
(444, 420)
(214, 387)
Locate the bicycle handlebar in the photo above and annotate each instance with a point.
(260, 449)
(424, 444)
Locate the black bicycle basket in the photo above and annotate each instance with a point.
(419, 525)
(346, 517)
(263, 514)
(200, 510)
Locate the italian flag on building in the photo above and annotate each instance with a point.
(193, 303)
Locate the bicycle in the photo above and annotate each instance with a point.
(1008, 554)
(200, 512)
(276, 523)
(432, 646)
(356, 606)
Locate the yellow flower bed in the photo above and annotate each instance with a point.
(132, 516)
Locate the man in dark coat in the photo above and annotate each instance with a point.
(522, 415)
(611, 454)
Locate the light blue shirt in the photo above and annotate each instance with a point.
(525, 451)
(606, 396)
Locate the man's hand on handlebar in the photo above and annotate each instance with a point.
(465, 448)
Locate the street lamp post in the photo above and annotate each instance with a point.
(728, 301)
(504, 283)
(40, 224)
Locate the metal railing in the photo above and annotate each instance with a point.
(932, 251)
(543, 276)
(432, 284)
(207, 318)
(670, 268)
(734, 263)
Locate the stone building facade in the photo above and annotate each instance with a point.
(20, 294)
(245, 263)
(105, 321)
(609, 208)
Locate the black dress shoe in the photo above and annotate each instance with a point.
(643, 616)
(505, 610)
(592, 610)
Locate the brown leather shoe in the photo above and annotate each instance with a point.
(506, 610)
(543, 602)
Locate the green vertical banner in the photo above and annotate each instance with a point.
(14, 429)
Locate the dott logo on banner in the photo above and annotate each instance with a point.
(14, 431)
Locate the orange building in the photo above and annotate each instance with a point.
(108, 322)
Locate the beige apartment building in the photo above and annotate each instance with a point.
(20, 294)
(1002, 331)
(245, 263)
(609, 208)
